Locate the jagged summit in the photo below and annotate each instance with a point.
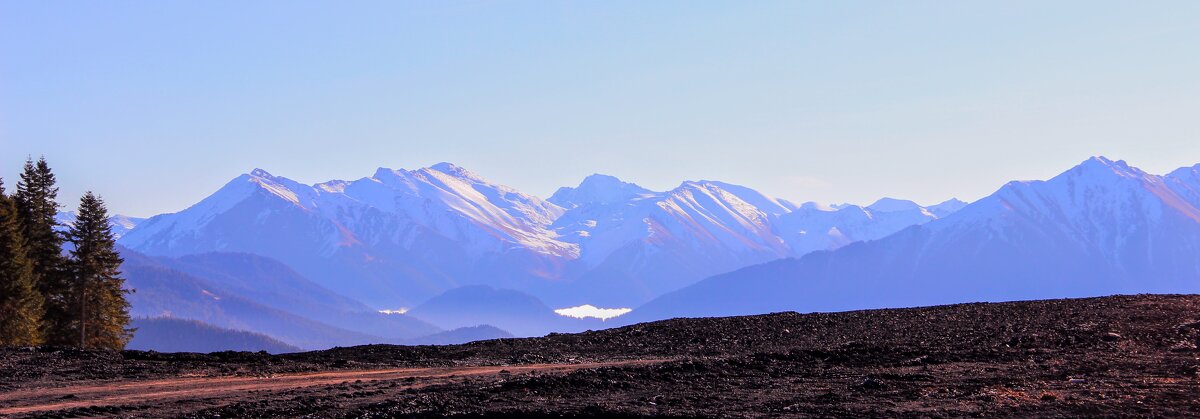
(446, 167)
(952, 202)
(892, 204)
(1100, 166)
(767, 204)
(456, 171)
(599, 180)
(598, 189)
(382, 172)
(817, 206)
(1186, 171)
(120, 224)
(947, 207)
(1185, 182)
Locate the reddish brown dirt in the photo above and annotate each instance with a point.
(1115, 356)
(220, 390)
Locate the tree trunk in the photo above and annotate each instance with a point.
(82, 313)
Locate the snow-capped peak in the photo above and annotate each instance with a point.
(766, 204)
(287, 189)
(946, 207)
(120, 224)
(893, 204)
(817, 206)
(598, 189)
(124, 221)
(261, 173)
(1185, 181)
(447, 167)
(1100, 165)
(1185, 171)
(597, 181)
(456, 171)
(1099, 201)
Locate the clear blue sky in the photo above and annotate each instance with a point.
(155, 105)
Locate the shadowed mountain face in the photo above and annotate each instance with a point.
(1101, 228)
(162, 292)
(268, 299)
(401, 237)
(166, 334)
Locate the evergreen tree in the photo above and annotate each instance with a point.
(20, 303)
(102, 312)
(36, 207)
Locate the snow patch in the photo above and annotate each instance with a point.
(588, 310)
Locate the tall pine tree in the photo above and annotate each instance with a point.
(102, 312)
(36, 207)
(20, 303)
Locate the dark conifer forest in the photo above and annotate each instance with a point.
(59, 285)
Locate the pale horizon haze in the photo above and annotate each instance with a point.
(155, 105)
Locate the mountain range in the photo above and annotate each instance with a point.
(1103, 227)
(401, 237)
(466, 258)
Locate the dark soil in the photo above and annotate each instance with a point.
(1114, 356)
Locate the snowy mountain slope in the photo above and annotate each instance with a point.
(459, 204)
(656, 242)
(1100, 228)
(121, 224)
(390, 240)
(947, 207)
(660, 242)
(258, 213)
(598, 189)
(1185, 182)
(811, 228)
(764, 203)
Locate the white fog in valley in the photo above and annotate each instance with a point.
(588, 310)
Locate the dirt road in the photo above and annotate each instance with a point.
(216, 391)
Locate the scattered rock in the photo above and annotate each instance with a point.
(870, 383)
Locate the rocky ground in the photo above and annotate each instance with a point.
(1115, 356)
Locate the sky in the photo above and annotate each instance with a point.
(155, 105)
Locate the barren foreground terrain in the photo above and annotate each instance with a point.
(1128, 355)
